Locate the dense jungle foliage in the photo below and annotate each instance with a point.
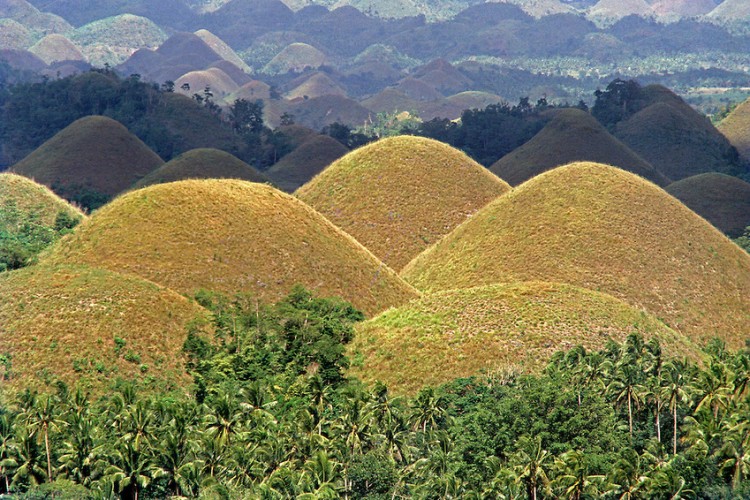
(272, 415)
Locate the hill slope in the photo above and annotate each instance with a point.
(305, 162)
(67, 322)
(604, 229)
(231, 235)
(28, 197)
(399, 195)
(202, 163)
(722, 200)
(736, 128)
(94, 156)
(572, 135)
(516, 327)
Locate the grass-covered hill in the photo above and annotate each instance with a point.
(390, 100)
(319, 84)
(231, 236)
(222, 49)
(305, 162)
(608, 230)
(318, 112)
(220, 84)
(572, 135)
(610, 11)
(90, 326)
(14, 35)
(736, 127)
(295, 57)
(721, 199)
(678, 141)
(399, 195)
(202, 163)
(31, 218)
(54, 48)
(113, 39)
(89, 161)
(494, 328)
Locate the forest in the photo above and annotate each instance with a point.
(271, 414)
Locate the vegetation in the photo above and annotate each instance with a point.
(623, 420)
(607, 230)
(736, 127)
(230, 235)
(514, 328)
(31, 219)
(399, 195)
(307, 160)
(744, 240)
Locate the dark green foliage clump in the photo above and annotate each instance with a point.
(744, 240)
(24, 235)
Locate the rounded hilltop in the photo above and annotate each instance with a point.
(230, 236)
(94, 157)
(605, 229)
(516, 327)
(91, 326)
(34, 199)
(202, 163)
(305, 161)
(399, 195)
(571, 135)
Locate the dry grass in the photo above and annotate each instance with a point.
(220, 83)
(722, 200)
(318, 112)
(55, 47)
(202, 163)
(572, 135)
(459, 333)
(317, 85)
(32, 198)
(65, 321)
(305, 162)
(295, 57)
(225, 51)
(676, 140)
(230, 236)
(604, 229)
(399, 195)
(94, 152)
(736, 128)
(390, 100)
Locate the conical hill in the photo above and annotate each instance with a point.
(736, 128)
(94, 157)
(304, 162)
(202, 163)
(31, 198)
(91, 326)
(399, 195)
(512, 327)
(722, 200)
(231, 236)
(678, 141)
(604, 229)
(572, 135)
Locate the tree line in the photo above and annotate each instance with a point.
(272, 414)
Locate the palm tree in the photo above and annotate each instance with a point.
(319, 477)
(79, 449)
(714, 387)
(531, 463)
(666, 482)
(428, 410)
(627, 479)
(675, 392)
(42, 417)
(7, 449)
(735, 450)
(132, 469)
(626, 386)
(224, 418)
(29, 462)
(572, 479)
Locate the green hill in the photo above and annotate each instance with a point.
(202, 163)
(305, 162)
(572, 135)
(90, 160)
(295, 57)
(494, 328)
(722, 200)
(230, 236)
(89, 326)
(14, 35)
(608, 230)
(399, 195)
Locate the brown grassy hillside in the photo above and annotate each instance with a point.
(231, 235)
(399, 195)
(94, 153)
(319, 112)
(722, 200)
(221, 48)
(572, 135)
(514, 327)
(607, 230)
(202, 163)
(319, 84)
(67, 322)
(305, 162)
(295, 57)
(53, 48)
(389, 100)
(677, 140)
(28, 197)
(220, 83)
(736, 128)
